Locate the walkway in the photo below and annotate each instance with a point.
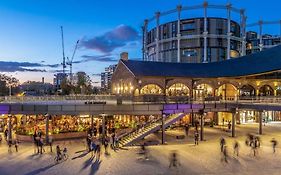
(202, 159)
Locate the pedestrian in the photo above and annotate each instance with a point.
(112, 141)
(116, 139)
(274, 144)
(6, 134)
(222, 143)
(51, 143)
(196, 137)
(186, 129)
(58, 151)
(236, 148)
(9, 145)
(95, 131)
(174, 160)
(41, 144)
(229, 125)
(106, 145)
(225, 155)
(17, 145)
(255, 145)
(98, 151)
(94, 147)
(88, 141)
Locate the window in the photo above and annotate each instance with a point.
(219, 31)
(232, 28)
(219, 41)
(189, 52)
(188, 26)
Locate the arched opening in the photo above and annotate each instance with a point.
(151, 89)
(178, 89)
(227, 92)
(137, 92)
(203, 91)
(247, 91)
(266, 90)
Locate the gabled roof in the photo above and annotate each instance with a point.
(258, 63)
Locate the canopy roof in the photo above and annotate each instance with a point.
(262, 62)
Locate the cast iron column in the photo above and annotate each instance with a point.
(157, 16)
(233, 123)
(179, 7)
(9, 127)
(228, 7)
(260, 122)
(163, 128)
(47, 128)
(205, 33)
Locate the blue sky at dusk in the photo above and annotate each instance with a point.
(30, 39)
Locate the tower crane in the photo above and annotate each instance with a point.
(70, 61)
(63, 55)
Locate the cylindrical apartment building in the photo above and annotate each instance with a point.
(195, 40)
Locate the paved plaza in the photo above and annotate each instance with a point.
(202, 159)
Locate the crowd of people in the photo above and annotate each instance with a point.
(95, 141)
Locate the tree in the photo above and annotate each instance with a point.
(84, 83)
(7, 82)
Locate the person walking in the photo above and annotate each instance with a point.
(112, 141)
(98, 151)
(222, 143)
(106, 143)
(186, 130)
(174, 160)
(274, 144)
(58, 151)
(51, 143)
(224, 153)
(9, 145)
(196, 137)
(236, 148)
(17, 145)
(41, 144)
(89, 140)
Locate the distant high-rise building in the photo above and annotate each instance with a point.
(256, 43)
(106, 78)
(58, 78)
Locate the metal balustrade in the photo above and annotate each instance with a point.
(144, 99)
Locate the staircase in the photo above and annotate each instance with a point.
(150, 128)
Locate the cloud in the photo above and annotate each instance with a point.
(13, 66)
(99, 58)
(116, 38)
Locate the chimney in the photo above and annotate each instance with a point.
(124, 56)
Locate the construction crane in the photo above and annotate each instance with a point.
(70, 61)
(63, 55)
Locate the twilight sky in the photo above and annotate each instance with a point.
(30, 39)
